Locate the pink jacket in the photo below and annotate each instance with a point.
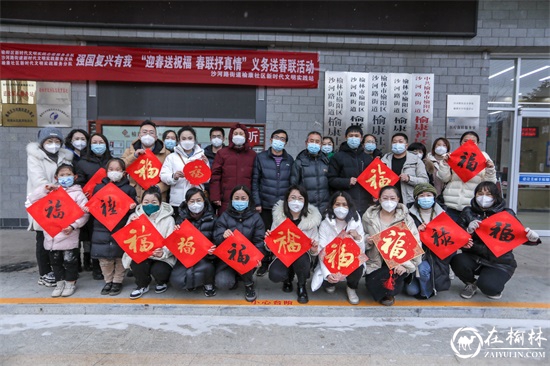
(62, 241)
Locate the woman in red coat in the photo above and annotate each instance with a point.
(232, 167)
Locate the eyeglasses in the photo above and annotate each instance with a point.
(199, 200)
(152, 133)
(280, 138)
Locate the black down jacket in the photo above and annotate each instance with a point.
(345, 164)
(103, 244)
(310, 171)
(88, 165)
(205, 224)
(248, 222)
(479, 251)
(269, 182)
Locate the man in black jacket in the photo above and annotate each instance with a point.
(271, 180)
(346, 165)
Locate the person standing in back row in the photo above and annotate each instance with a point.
(346, 165)
(270, 182)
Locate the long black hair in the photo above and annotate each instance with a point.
(303, 192)
(89, 153)
(491, 188)
(69, 138)
(248, 193)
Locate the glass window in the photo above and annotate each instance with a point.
(501, 83)
(498, 143)
(534, 83)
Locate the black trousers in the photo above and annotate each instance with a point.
(490, 280)
(200, 274)
(352, 279)
(143, 271)
(64, 264)
(267, 218)
(226, 277)
(42, 255)
(278, 272)
(375, 283)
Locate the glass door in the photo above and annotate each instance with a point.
(533, 181)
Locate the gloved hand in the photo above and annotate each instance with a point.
(531, 235)
(473, 226)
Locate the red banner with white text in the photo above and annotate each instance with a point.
(78, 63)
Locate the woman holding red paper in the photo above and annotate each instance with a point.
(241, 216)
(381, 282)
(159, 265)
(172, 174)
(341, 219)
(458, 194)
(296, 207)
(477, 266)
(198, 211)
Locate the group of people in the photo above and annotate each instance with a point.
(254, 193)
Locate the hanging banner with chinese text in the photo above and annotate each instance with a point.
(139, 239)
(188, 244)
(376, 176)
(422, 108)
(501, 233)
(56, 211)
(239, 253)
(145, 169)
(444, 236)
(467, 161)
(397, 245)
(288, 242)
(88, 188)
(109, 205)
(342, 256)
(241, 67)
(197, 172)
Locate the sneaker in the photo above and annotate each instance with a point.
(262, 270)
(250, 293)
(116, 289)
(47, 280)
(209, 290)
(330, 289)
(352, 296)
(159, 289)
(70, 288)
(469, 291)
(138, 292)
(387, 300)
(107, 288)
(495, 297)
(58, 290)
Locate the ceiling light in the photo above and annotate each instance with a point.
(501, 72)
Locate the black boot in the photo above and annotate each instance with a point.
(87, 262)
(302, 294)
(96, 270)
(287, 286)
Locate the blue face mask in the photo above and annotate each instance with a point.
(398, 148)
(170, 144)
(354, 142)
(278, 145)
(239, 205)
(313, 148)
(98, 149)
(66, 182)
(426, 202)
(150, 209)
(327, 149)
(369, 146)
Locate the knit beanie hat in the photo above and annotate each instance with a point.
(424, 187)
(49, 132)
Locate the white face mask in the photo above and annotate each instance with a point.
(115, 176)
(295, 206)
(440, 150)
(147, 140)
(187, 144)
(239, 140)
(341, 212)
(79, 144)
(388, 206)
(485, 201)
(216, 142)
(52, 148)
(196, 207)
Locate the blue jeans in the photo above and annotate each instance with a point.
(421, 285)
